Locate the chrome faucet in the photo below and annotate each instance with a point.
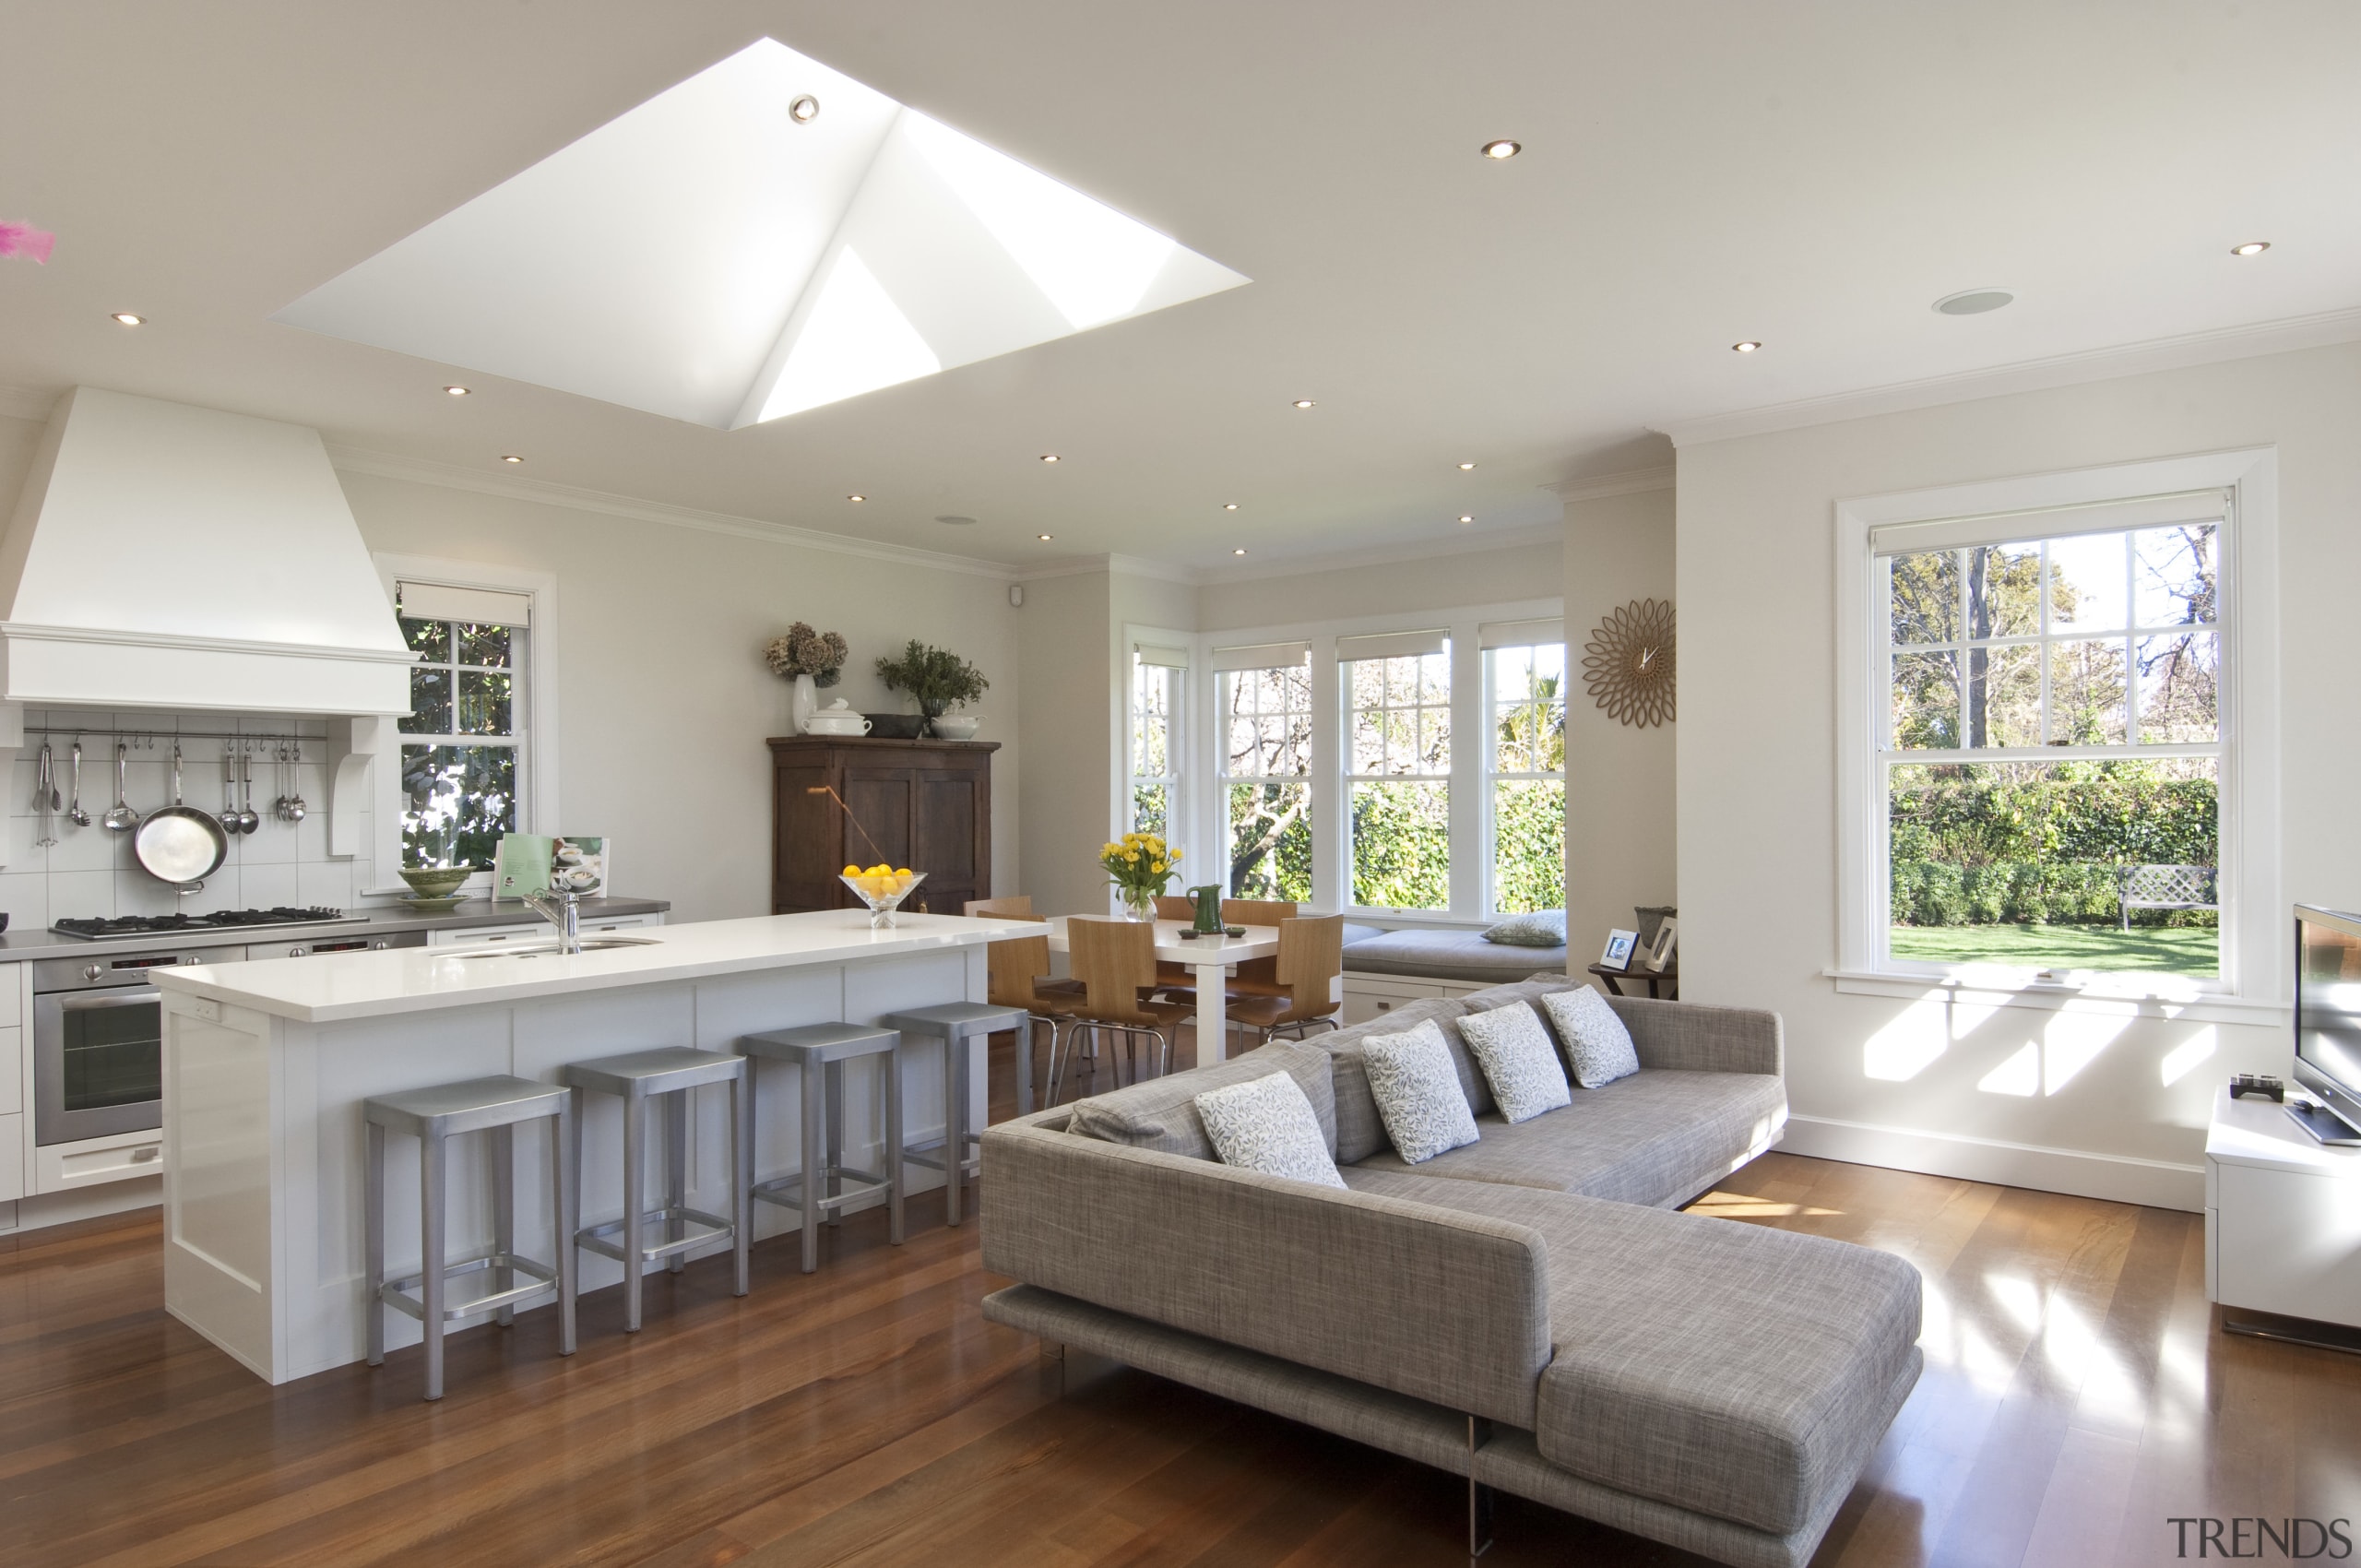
(562, 910)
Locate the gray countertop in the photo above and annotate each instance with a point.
(16, 946)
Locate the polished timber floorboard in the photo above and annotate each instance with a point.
(2077, 1396)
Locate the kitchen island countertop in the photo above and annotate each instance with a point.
(378, 920)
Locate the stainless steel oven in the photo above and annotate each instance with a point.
(99, 1042)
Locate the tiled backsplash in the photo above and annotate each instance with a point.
(92, 872)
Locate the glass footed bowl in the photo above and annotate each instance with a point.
(883, 894)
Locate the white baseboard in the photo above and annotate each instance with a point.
(42, 1210)
(2114, 1178)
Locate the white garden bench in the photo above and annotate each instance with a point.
(2165, 887)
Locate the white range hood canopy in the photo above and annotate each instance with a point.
(174, 557)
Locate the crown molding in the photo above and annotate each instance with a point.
(2288, 336)
(24, 403)
(1631, 482)
(420, 470)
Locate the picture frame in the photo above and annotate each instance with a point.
(1619, 945)
(1659, 954)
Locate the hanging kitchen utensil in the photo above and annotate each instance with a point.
(120, 818)
(247, 820)
(44, 790)
(76, 815)
(296, 810)
(179, 844)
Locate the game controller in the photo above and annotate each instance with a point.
(2257, 1083)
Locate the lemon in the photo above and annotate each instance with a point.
(852, 870)
(905, 872)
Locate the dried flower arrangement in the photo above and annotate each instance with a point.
(803, 651)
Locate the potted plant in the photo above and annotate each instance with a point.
(1140, 866)
(936, 679)
(810, 658)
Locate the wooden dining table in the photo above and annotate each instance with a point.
(1213, 959)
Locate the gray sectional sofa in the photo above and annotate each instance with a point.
(1527, 1311)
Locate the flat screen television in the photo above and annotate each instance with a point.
(2328, 1016)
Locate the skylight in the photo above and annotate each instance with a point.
(710, 256)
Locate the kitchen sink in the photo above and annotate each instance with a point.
(535, 950)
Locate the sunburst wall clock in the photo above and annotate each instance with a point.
(1628, 663)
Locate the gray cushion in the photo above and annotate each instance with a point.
(1266, 1124)
(1656, 1138)
(1520, 1061)
(1747, 1400)
(1356, 931)
(1543, 927)
(1598, 1046)
(1417, 1092)
(1162, 1114)
(1361, 1132)
(1449, 955)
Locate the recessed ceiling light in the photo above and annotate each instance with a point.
(1974, 302)
(1465, 467)
(956, 521)
(1045, 537)
(804, 110)
(125, 318)
(1503, 149)
(1746, 348)
(1049, 456)
(1466, 519)
(1305, 403)
(856, 497)
(510, 457)
(2253, 247)
(1238, 551)
(455, 391)
(1229, 506)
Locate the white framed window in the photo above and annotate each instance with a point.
(1263, 764)
(1397, 693)
(1525, 759)
(2061, 733)
(475, 756)
(1154, 803)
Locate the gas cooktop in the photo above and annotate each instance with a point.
(124, 926)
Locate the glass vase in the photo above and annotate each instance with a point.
(1139, 904)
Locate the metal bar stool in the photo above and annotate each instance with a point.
(669, 1073)
(960, 1025)
(435, 1116)
(820, 1189)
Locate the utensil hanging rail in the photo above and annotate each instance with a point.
(151, 736)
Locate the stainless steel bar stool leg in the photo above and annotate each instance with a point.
(814, 1103)
(833, 1075)
(676, 1173)
(894, 1179)
(429, 1232)
(635, 1205)
(1024, 1068)
(741, 1179)
(503, 1217)
(373, 1222)
(954, 1125)
(564, 1160)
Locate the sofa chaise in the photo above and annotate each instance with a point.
(1528, 1310)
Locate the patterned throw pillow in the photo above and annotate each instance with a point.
(1596, 1042)
(1545, 928)
(1519, 1061)
(1267, 1124)
(1418, 1093)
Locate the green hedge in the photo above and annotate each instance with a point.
(2018, 892)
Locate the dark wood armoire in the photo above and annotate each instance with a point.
(926, 804)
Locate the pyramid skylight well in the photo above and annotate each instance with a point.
(711, 256)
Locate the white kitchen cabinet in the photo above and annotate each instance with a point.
(12, 1158)
(92, 1162)
(12, 1070)
(2283, 1215)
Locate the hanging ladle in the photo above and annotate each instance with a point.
(120, 818)
(77, 816)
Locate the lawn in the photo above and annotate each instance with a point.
(2191, 950)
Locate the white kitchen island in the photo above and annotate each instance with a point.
(266, 1064)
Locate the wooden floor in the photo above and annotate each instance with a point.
(2077, 1395)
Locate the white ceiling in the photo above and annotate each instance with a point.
(1812, 174)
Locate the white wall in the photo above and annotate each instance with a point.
(1066, 666)
(1620, 778)
(1757, 768)
(1475, 576)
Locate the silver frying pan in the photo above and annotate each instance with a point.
(179, 844)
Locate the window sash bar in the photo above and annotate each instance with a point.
(1952, 756)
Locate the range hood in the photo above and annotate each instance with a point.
(176, 557)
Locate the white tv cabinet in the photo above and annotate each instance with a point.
(2282, 1222)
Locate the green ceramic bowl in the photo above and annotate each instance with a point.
(437, 882)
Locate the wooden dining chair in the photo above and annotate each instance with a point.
(1255, 977)
(1309, 968)
(1115, 961)
(1018, 972)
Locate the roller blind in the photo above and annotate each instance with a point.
(1392, 645)
(1522, 634)
(482, 607)
(1165, 658)
(1262, 656)
(2054, 522)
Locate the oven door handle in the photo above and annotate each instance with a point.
(127, 996)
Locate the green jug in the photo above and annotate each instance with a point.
(1208, 922)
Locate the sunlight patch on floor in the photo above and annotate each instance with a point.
(1738, 1205)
